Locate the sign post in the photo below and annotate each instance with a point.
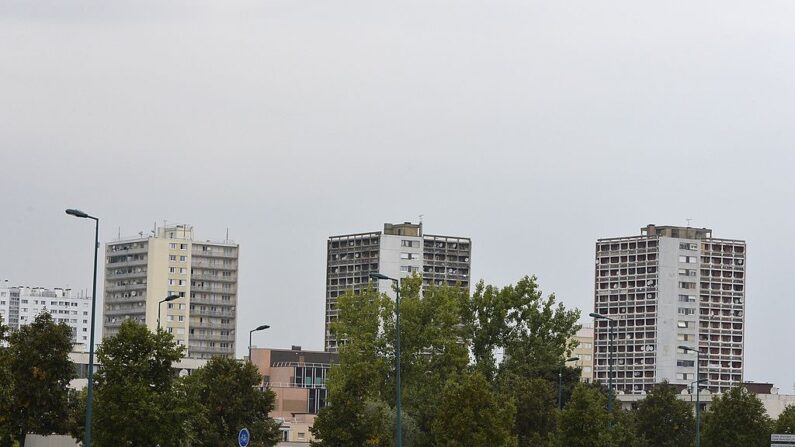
(782, 440)
(243, 438)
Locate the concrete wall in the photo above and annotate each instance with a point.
(50, 441)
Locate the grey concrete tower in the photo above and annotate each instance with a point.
(667, 287)
(399, 251)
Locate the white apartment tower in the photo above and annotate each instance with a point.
(21, 305)
(140, 272)
(668, 287)
(399, 251)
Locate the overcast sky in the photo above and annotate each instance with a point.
(533, 127)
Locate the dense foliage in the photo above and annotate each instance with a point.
(736, 418)
(36, 371)
(450, 342)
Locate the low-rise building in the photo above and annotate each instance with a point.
(773, 402)
(298, 378)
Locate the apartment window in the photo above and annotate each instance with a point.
(172, 270)
(686, 311)
(183, 258)
(687, 298)
(172, 257)
(586, 345)
(687, 285)
(684, 337)
(183, 246)
(688, 246)
(685, 363)
(409, 269)
(688, 259)
(172, 245)
(409, 256)
(684, 376)
(687, 272)
(405, 243)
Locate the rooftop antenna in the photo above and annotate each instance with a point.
(227, 234)
(119, 237)
(688, 222)
(421, 216)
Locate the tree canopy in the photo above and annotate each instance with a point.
(663, 420)
(38, 372)
(736, 418)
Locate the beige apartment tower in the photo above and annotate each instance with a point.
(665, 288)
(140, 272)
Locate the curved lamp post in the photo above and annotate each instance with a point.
(398, 426)
(698, 389)
(90, 399)
(560, 381)
(159, 304)
(611, 324)
(258, 328)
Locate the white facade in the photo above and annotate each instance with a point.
(670, 287)
(21, 305)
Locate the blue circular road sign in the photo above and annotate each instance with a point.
(243, 438)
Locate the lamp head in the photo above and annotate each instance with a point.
(572, 359)
(378, 276)
(686, 348)
(595, 315)
(171, 298)
(76, 213)
(262, 328)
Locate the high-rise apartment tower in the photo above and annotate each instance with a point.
(399, 251)
(141, 272)
(670, 287)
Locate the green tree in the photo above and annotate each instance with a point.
(584, 422)
(39, 370)
(230, 399)
(536, 420)
(6, 390)
(663, 420)
(138, 399)
(785, 423)
(432, 348)
(736, 419)
(471, 415)
(534, 331)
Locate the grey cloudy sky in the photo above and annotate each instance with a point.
(533, 127)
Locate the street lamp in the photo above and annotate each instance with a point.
(560, 381)
(90, 399)
(258, 328)
(610, 324)
(398, 426)
(165, 300)
(698, 389)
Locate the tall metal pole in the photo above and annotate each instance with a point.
(698, 403)
(610, 374)
(398, 426)
(560, 388)
(90, 401)
(249, 345)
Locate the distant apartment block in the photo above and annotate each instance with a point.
(584, 352)
(298, 378)
(398, 251)
(21, 305)
(667, 287)
(142, 271)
